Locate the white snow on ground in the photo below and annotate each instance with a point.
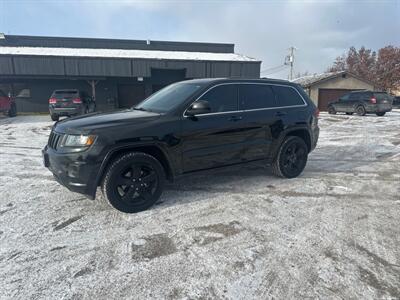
(123, 53)
(237, 233)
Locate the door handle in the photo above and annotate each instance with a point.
(235, 118)
(280, 114)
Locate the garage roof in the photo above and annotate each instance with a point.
(124, 53)
(310, 80)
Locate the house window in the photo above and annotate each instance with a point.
(24, 93)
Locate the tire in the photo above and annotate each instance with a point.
(133, 182)
(13, 110)
(332, 110)
(291, 158)
(54, 118)
(360, 110)
(349, 113)
(380, 114)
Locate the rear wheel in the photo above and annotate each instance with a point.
(54, 117)
(380, 114)
(291, 159)
(133, 182)
(13, 110)
(331, 110)
(360, 110)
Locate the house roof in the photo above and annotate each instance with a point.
(124, 53)
(309, 80)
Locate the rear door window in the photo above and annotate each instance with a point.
(222, 98)
(256, 96)
(287, 96)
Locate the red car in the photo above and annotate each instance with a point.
(7, 105)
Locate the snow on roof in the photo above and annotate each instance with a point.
(310, 79)
(122, 53)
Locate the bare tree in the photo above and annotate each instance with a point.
(383, 68)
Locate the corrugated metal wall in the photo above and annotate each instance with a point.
(110, 67)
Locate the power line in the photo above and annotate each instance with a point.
(273, 68)
(276, 70)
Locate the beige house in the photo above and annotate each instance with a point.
(327, 87)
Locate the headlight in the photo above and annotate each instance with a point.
(78, 140)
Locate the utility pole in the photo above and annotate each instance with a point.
(290, 61)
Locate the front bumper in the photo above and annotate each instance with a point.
(75, 171)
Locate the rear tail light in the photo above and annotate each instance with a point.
(77, 100)
(373, 100)
(52, 101)
(316, 113)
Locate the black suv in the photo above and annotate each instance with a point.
(361, 103)
(69, 103)
(188, 126)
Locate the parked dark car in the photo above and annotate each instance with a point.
(396, 102)
(70, 103)
(7, 105)
(361, 103)
(185, 127)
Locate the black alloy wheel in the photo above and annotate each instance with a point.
(292, 158)
(360, 110)
(133, 182)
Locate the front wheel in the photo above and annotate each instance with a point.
(331, 110)
(380, 114)
(54, 118)
(291, 159)
(133, 182)
(13, 110)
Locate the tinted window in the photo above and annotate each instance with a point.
(382, 97)
(168, 97)
(253, 96)
(222, 98)
(345, 97)
(356, 96)
(65, 94)
(287, 96)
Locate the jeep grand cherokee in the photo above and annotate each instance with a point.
(185, 127)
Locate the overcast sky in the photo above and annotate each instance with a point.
(321, 30)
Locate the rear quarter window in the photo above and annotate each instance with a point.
(287, 96)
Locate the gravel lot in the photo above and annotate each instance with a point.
(238, 233)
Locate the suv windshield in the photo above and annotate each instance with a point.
(168, 98)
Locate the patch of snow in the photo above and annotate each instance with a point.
(123, 53)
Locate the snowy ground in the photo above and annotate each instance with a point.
(239, 233)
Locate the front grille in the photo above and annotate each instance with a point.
(54, 140)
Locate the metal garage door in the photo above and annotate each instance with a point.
(325, 96)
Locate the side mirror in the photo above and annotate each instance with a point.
(199, 107)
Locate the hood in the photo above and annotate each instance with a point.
(90, 122)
